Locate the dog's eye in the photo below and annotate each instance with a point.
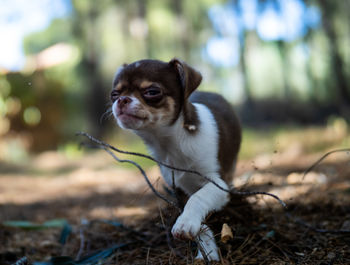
(115, 95)
(152, 93)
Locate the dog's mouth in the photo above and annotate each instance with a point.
(126, 115)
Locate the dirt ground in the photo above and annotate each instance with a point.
(109, 208)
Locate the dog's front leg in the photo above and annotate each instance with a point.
(207, 199)
(207, 245)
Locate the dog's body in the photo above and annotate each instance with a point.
(197, 131)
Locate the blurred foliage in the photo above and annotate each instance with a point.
(295, 139)
(43, 106)
(59, 31)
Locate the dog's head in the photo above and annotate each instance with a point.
(148, 94)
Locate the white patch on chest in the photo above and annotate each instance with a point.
(173, 145)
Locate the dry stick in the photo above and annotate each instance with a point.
(301, 222)
(202, 250)
(234, 192)
(104, 146)
(156, 193)
(322, 158)
(197, 240)
(144, 175)
(82, 243)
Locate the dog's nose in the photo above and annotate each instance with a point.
(124, 100)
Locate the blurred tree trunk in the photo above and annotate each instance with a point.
(337, 63)
(86, 32)
(184, 37)
(243, 66)
(283, 51)
(244, 37)
(142, 15)
(315, 98)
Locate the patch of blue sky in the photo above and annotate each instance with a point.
(224, 20)
(19, 18)
(249, 13)
(273, 20)
(223, 51)
(288, 22)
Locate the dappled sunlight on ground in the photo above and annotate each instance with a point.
(91, 186)
(94, 187)
(51, 177)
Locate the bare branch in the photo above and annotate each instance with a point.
(252, 193)
(322, 158)
(106, 147)
(202, 250)
(231, 191)
(82, 243)
(143, 174)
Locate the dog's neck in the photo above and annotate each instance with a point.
(154, 137)
(164, 141)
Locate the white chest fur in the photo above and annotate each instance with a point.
(196, 151)
(177, 147)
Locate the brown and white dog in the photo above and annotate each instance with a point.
(184, 129)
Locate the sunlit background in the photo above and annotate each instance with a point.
(280, 62)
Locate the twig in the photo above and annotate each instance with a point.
(234, 192)
(252, 193)
(143, 174)
(322, 158)
(301, 222)
(147, 257)
(106, 147)
(202, 250)
(82, 243)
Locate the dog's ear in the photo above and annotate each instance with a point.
(190, 80)
(189, 77)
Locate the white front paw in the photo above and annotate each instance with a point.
(186, 227)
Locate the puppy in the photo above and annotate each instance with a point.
(184, 129)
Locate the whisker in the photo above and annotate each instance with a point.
(107, 114)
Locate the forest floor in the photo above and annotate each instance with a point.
(106, 214)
